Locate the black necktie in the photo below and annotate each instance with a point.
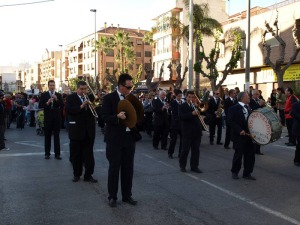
(82, 99)
(179, 102)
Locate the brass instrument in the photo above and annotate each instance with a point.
(220, 110)
(96, 101)
(202, 104)
(91, 106)
(200, 118)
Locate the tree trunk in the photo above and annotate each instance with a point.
(197, 75)
(279, 75)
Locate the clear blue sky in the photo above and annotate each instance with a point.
(26, 31)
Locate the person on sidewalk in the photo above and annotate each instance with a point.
(290, 100)
(295, 113)
(2, 122)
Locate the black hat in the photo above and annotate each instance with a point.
(1, 93)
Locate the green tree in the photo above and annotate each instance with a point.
(101, 46)
(233, 38)
(204, 25)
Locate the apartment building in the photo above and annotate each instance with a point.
(262, 77)
(54, 66)
(166, 49)
(81, 54)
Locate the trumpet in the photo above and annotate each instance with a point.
(200, 118)
(91, 106)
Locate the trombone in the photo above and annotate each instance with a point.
(91, 106)
(200, 118)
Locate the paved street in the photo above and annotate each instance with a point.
(36, 191)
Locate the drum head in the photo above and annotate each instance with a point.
(264, 126)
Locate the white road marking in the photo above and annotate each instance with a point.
(166, 164)
(28, 144)
(250, 202)
(148, 156)
(284, 146)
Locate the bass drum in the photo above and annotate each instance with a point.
(264, 125)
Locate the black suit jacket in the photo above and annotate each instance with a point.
(115, 131)
(81, 121)
(175, 117)
(51, 115)
(190, 124)
(227, 104)
(238, 123)
(254, 105)
(160, 116)
(212, 106)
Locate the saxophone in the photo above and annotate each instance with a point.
(220, 109)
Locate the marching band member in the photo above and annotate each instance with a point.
(256, 103)
(52, 103)
(120, 153)
(237, 118)
(191, 134)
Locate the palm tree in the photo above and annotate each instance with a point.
(101, 46)
(203, 26)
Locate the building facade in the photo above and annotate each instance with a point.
(262, 76)
(81, 54)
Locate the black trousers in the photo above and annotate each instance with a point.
(212, 129)
(297, 152)
(289, 125)
(148, 122)
(161, 134)
(257, 148)
(54, 128)
(174, 133)
(227, 135)
(281, 115)
(243, 150)
(193, 144)
(121, 160)
(82, 154)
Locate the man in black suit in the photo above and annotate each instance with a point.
(81, 129)
(213, 111)
(295, 113)
(228, 102)
(256, 103)
(52, 104)
(175, 124)
(237, 118)
(120, 143)
(160, 121)
(191, 134)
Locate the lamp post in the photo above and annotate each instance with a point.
(60, 68)
(191, 53)
(95, 67)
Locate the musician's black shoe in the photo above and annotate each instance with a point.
(90, 179)
(76, 179)
(164, 148)
(219, 143)
(297, 163)
(58, 157)
(290, 144)
(182, 169)
(130, 201)
(196, 170)
(226, 147)
(235, 176)
(155, 147)
(249, 177)
(112, 203)
(211, 143)
(170, 156)
(47, 156)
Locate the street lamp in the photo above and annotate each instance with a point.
(95, 11)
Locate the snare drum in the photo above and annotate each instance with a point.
(264, 125)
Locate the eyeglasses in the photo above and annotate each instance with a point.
(128, 87)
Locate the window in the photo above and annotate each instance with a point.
(110, 52)
(138, 54)
(110, 64)
(148, 54)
